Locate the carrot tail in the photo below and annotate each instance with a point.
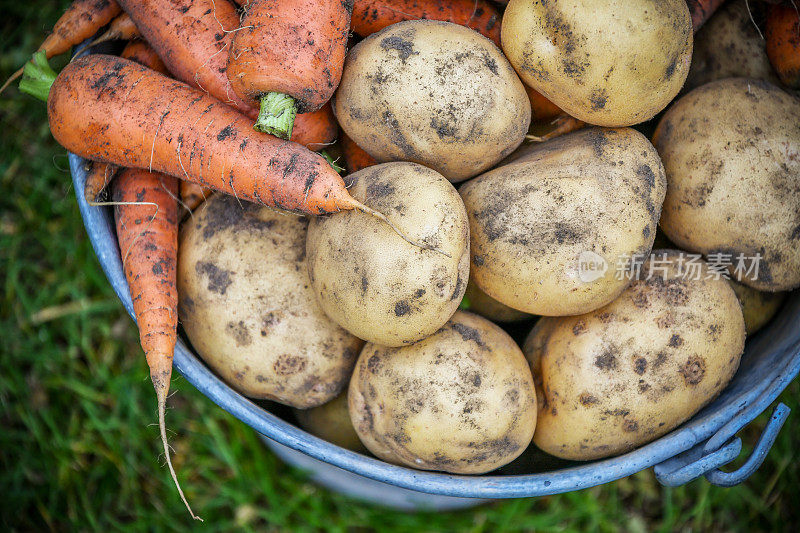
(277, 115)
(11, 79)
(37, 77)
(560, 126)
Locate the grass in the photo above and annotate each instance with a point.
(78, 448)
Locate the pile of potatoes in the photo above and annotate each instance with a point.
(391, 346)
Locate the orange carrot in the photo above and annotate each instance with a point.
(81, 20)
(193, 38)
(370, 16)
(100, 174)
(542, 109)
(701, 11)
(121, 28)
(287, 58)
(316, 130)
(355, 158)
(783, 43)
(193, 194)
(561, 125)
(146, 214)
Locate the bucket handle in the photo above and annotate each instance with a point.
(705, 460)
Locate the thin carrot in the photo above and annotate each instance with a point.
(701, 11)
(316, 130)
(193, 38)
(81, 20)
(113, 110)
(100, 175)
(287, 58)
(146, 214)
(561, 125)
(355, 158)
(193, 194)
(121, 28)
(783, 43)
(370, 16)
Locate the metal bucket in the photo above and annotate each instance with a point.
(699, 447)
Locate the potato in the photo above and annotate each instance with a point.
(731, 150)
(606, 62)
(331, 422)
(591, 197)
(729, 45)
(461, 401)
(481, 303)
(434, 93)
(623, 375)
(247, 306)
(758, 307)
(371, 281)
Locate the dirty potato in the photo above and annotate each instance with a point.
(247, 306)
(621, 376)
(758, 307)
(461, 401)
(731, 151)
(482, 304)
(331, 422)
(729, 45)
(371, 281)
(587, 198)
(606, 62)
(435, 93)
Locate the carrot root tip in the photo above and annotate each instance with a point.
(37, 77)
(331, 161)
(276, 115)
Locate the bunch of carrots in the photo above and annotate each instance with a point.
(172, 118)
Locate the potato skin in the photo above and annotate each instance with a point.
(731, 151)
(246, 305)
(758, 307)
(461, 401)
(331, 422)
(434, 93)
(372, 282)
(623, 375)
(484, 305)
(729, 45)
(597, 190)
(606, 62)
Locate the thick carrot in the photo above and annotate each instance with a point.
(542, 109)
(370, 16)
(355, 158)
(121, 28)
(287, 58)
(316, 130)
(701, 11)
(81, 20)
(783, 43)
(193, 38)
(100, 174)
(146, 214)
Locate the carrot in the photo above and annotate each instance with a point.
(559, 126)
(370, 16)
(100, 174)
(193, 38)
(783, 43)
(146, 215)
(113, 110)
(542, 109)
(121, 28)
(81, 20)
(193, 194)
(315, 130)
(355, 158)
(701, 11)
(287, 58)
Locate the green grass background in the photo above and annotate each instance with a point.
(78, 449)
